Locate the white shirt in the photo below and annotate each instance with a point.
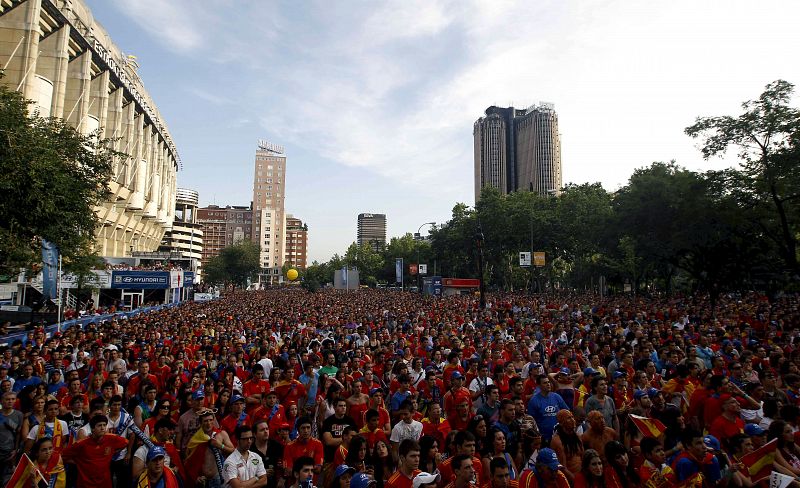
(34, 432)
(241, 468)
(479, 384)
(266, 363)
(403, 431)
(113, 427)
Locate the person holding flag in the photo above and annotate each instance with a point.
(654, 473)
(202, 462)
(48, 462)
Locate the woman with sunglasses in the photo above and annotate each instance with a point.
(163, 409)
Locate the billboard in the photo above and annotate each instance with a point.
(538, 258)
(140, 280)
(188, 279)
(524, 259)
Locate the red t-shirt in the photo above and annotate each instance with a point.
(399, 480)
(93, 459)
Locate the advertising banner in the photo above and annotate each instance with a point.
(140, 280)
(398, 270)
(49, 270)
(98, 279)
(524, 259)
(538, 258)
(175, 279)
(423, 269)
(188, 279)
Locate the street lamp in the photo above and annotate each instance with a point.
(419, 237)
(479, 243)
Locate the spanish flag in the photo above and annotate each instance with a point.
(26, 475)
(195, 456)
(759, 462)
(648, 427)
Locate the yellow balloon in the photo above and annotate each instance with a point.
(292, 274)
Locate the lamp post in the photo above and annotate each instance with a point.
(419, 237)
(482, 288)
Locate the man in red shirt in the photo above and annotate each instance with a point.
(409, 463)
(456, 395)
(304, 445)
(255, 389)
(93, 455)
(730, 423)
(236, 418)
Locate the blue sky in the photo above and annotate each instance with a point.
(375, 101)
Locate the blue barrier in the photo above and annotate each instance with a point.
(83, 322)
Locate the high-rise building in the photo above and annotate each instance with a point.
(186, 236)
(518, 150)
(57, 55)
(372, 230)
(223, 227)
(269, 218)
(296, 242)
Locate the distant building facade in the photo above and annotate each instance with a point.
(372, 230)
(518, 150)
(269, 196)
(296, 242)
(186, 235)
(223, 227)
(56, 54)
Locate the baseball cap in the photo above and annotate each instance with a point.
(619, 373)
(198, 395)
(711, 442)
(549, 458)
(155, 452)
(753, 430)
(653, 392)
(590, 372)
(564, 371)
(361, 480)
(237, 398)
(639, 394)
(342, 469)
(456, 376)
(425, 479)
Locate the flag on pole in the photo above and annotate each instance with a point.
(758, 464)
(26, 475)
(49, 270)
(648, 427)
(779, 480)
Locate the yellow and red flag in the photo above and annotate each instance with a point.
(648, 427)
(26, 475)
(759, 462)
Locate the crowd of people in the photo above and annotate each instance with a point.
(375, 388)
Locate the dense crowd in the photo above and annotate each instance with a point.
(389, 389)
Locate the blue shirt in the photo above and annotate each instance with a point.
(22, 383)
(685, 468)
(544, 409)
(311, 383)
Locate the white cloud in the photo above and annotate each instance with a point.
(173, 22)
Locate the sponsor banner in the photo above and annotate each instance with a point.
(188, 279)
(49, 270)
(398, 270)
(461, 282)
(98, 279)
(140, 280)
(203, 297)
(175, 279)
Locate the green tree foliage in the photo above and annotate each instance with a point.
(368, 262)
(235, 264)
(767, 135)
(51, 178)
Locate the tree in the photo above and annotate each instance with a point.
(767, 135)
(235, 264)
(51, 179)
(368, 262)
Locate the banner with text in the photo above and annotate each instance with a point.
(140, 280)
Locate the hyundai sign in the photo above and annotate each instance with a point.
(140, 280)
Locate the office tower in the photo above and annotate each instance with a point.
(372, 230)
(186, 236)
(296, 242)
(269, 195)
(223, 227)
(518, 149)
(57, 55)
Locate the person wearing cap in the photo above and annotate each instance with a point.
(55, 382)
(547, 472)
(244, 469)
(236, 418)
(695, 462)
(730, 422)
(157, 472)
(455, 395)
(426, 480)
(189, 422)
(342, 475)
(162, 436)
(362, 480)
